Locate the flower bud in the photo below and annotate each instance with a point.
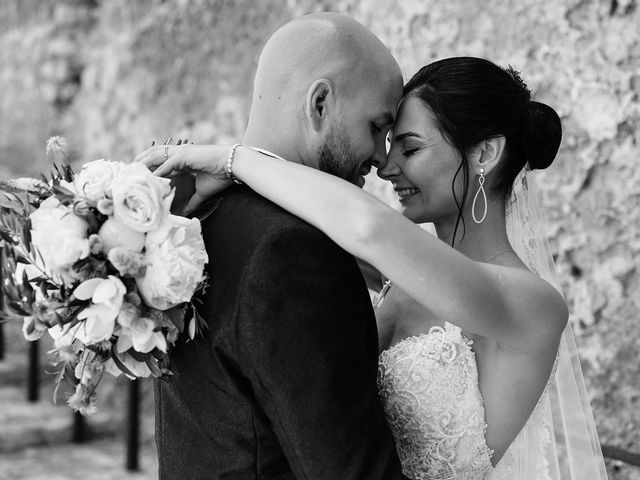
(56, 145)
(127, 262)
(105, 206)
(133, 298)
(31, 330)
(81, 208)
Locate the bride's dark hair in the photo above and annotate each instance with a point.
(472, 100)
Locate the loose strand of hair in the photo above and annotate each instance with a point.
(460, 205)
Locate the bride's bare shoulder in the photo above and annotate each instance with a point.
(537, 306)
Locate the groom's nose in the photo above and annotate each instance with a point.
(379, 158)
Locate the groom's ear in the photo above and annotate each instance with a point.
(320, 102)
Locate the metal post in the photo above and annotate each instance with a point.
(133, 426)
(1, 303)
(79, 433)
(1, 328)
(33, 373)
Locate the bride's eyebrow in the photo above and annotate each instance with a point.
(404, 135)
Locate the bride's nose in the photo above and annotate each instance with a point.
(388, 168)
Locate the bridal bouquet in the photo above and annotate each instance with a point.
(107, 270)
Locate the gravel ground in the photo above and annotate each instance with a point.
(99, 460)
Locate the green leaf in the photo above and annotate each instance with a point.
(140, 357)
(59, 376)
(17, 308)
(116, 358)
(177, 316)
(153, 366)
(26, 232)
(7, 237)
(10, 201)
(158, 354)
(24, 261)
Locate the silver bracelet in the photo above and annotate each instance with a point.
(229, 168)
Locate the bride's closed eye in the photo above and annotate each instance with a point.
(410, 151)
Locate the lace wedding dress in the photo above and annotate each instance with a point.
(429, 388)
(428, 385)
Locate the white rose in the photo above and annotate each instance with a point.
(107, 296)
(95, 179)
(115, 234)
(141, 200)
(175, 258)
(59, 235)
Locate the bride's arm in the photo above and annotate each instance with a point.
(483, 299)
(509, 305)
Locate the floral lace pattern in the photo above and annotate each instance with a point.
(429, 388)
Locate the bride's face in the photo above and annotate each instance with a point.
(421, 165)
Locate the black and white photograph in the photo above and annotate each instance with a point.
(319, 240)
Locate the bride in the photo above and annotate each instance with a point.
(477, 373)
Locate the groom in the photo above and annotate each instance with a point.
(283, 385)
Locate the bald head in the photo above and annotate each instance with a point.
(326, 62)
(322, 45)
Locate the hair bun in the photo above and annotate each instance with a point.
(542, 135)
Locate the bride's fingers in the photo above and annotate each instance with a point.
(145, 153)
(156, 157)
(166, 168)
(193, 203)
(151, 161)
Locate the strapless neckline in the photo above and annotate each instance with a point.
(419, 336)
(428, 384)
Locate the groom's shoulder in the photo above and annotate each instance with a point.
(241, 211)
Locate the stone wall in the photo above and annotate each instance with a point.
(112, 75)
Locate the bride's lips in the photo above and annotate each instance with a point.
(404, 193)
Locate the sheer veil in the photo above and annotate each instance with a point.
(570, 446)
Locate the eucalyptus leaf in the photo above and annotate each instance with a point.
(153, 366)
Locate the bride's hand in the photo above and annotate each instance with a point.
(207, 162)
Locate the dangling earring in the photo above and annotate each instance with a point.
(475, 199)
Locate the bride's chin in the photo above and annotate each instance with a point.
(411, 215)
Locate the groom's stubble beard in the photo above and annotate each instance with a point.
(335, 155)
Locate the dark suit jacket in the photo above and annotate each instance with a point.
(283, 385)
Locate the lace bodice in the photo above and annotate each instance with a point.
(429, 388)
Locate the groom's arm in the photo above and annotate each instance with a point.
(302, 323)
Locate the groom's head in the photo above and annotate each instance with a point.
(325, 95)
